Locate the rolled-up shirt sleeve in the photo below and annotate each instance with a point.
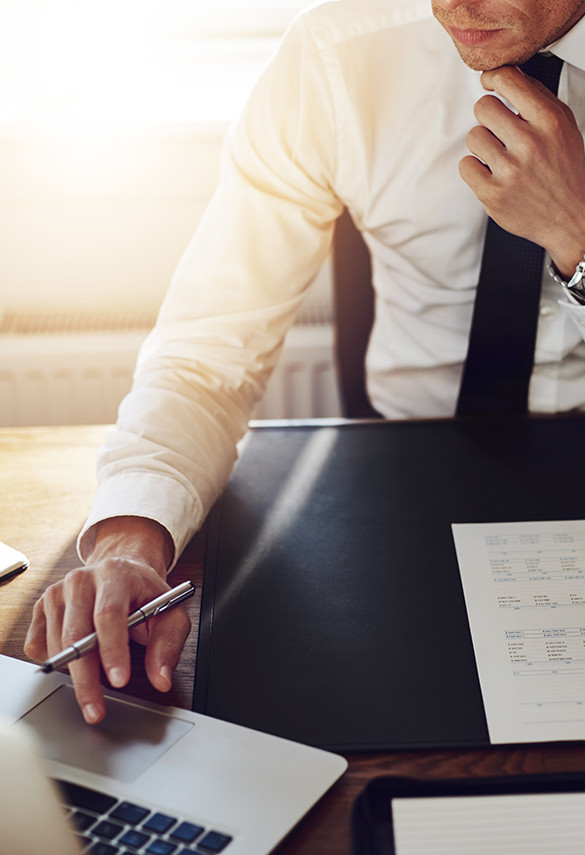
(235, 293)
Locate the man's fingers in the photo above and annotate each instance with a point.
(85, 674)
(110, 618)
(64, 615)
(76, 621)
(54, 607)
(475, 173)
(482, 143)
(35, 644)
(99, 598)
(527, 95)
(167, 635)
(493, 115)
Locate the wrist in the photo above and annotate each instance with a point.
(130, 538)
(567, 249)
(565, 269)
(566, 260)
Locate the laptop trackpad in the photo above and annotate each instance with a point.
(123, 746)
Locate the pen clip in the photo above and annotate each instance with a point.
(178, 598)
(160, 604)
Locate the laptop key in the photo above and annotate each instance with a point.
(134, 838)
(127, 812)
(82, 821)
(83, 797)
(214, 842)
(159, 822)
(186, 832)
(101, 848)
(161, 847)
(107, 830)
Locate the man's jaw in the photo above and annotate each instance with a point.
(483, 42)
(485, 48)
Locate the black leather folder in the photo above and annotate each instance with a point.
(332, 607)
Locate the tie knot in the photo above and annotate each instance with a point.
(545, 67)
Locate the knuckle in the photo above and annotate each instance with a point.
(478, 141)
(504, 75)
(485, 105)
(526, 148)
(507, 74)
(493, 196)
(51, 599)
(76, 581)
(474, 135)
(509, 170)
(552, 120)
(465, 165)
(109, 607)
(108, 612)
(71, 634)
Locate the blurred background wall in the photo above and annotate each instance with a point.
(112, 116)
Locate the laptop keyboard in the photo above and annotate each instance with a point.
(108, 826)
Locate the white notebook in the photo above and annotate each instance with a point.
(170, 780)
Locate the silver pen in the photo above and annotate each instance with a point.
(89, 642)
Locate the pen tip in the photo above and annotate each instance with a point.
(44, 669)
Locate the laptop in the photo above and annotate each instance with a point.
(149, 779)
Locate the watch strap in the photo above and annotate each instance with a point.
(576, 285)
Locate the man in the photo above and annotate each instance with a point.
(366, 106)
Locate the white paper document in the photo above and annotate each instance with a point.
(524, 586)
(537, 824)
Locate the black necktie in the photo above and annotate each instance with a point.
(500, 356)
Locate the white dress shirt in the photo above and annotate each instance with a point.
(366, 105)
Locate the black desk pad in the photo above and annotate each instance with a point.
(332, 608)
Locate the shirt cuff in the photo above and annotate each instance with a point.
(144, 494)
(575, 310)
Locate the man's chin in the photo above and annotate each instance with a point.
(480, 64)
(483, 60)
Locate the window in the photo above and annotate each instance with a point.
(235, 17)
(133, 62)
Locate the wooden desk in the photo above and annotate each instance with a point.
(48, 484)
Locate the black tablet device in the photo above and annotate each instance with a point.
(540, 814)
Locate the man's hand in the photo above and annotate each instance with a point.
(126, 568)
(528, 170)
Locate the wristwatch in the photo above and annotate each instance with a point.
(576, 286)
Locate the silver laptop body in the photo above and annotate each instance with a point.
(247, 786)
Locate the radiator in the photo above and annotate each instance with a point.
(50, 375)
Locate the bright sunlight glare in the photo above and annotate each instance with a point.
(111, 63)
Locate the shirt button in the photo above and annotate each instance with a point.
(546, 311)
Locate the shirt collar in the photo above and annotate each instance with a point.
(571, 46)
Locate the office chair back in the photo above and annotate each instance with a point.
(353, 304)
